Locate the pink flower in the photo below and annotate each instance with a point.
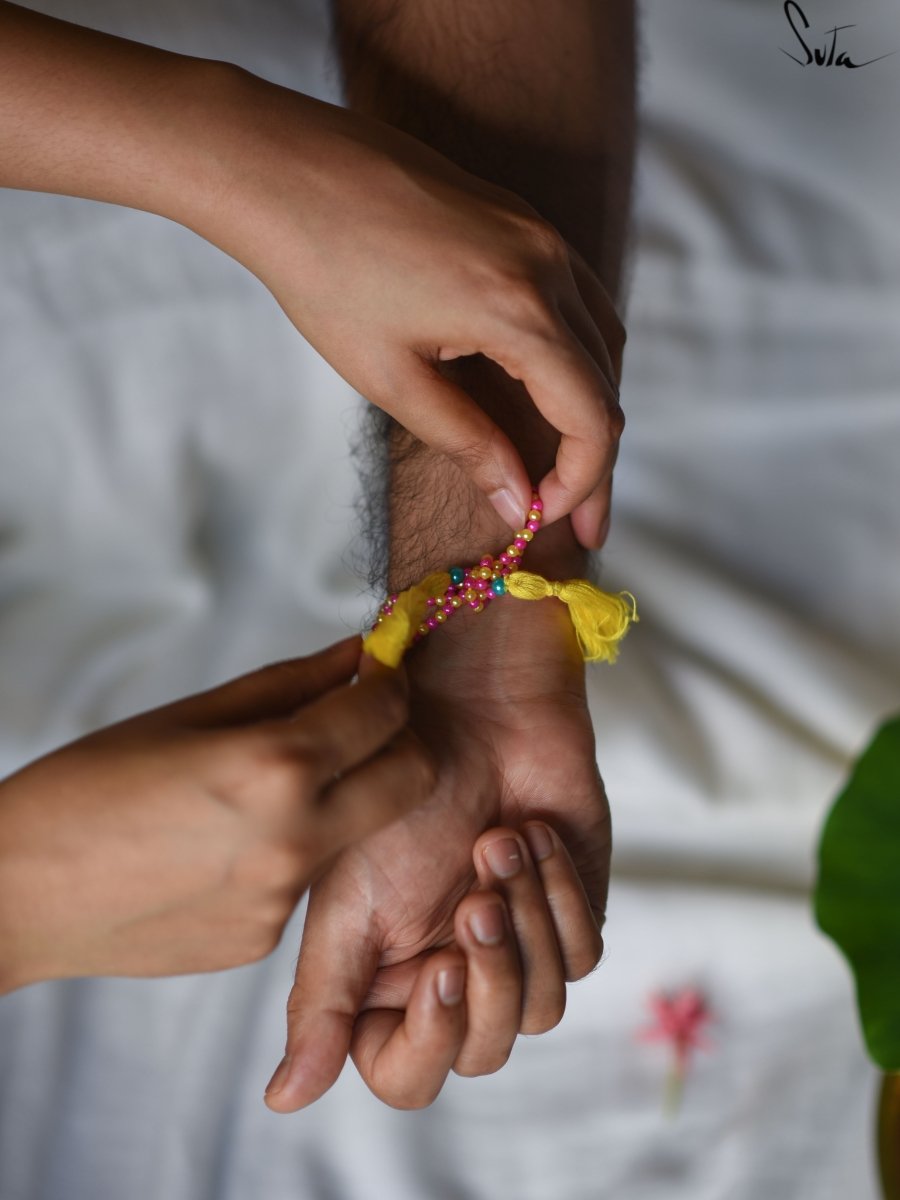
(679, 1018)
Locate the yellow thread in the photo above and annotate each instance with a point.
(390, 640)
(600, 619)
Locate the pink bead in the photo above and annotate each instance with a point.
(431, 602)
(537, 504)
(448, 610)
(486, 561)
(482, 585)
(534, 526)
(519, 543)
(504, 557)
(432, 623)
(479, 603)
(504, 571)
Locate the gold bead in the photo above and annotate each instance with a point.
(471, 595)
(479, 607)
(456, 602)
(534, 515)
(440, 616)
(525, 534)
(423, 629)
(495, 574)
(484, 572)
(513, 551)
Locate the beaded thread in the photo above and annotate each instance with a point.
(600, 619)
(474, 587)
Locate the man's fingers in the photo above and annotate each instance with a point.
(404, 1057)
(504, 863)
(386, 787)
(440, 413)
(578, 934)
(273, 691)
(336, 966)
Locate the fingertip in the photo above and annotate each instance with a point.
(511, 505)
(540, 839)
(302, 1077)
(450, 984)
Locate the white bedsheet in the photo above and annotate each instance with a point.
(164, 438)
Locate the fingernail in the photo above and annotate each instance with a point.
(507, 506)
(450, 983)
(278, 1080)
(504, 857)
(487, 925)
(540, 843)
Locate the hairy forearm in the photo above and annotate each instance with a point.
(536, 97)
(539, 99)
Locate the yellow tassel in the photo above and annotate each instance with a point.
(601, 620)
(390, 640)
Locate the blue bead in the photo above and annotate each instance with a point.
(457, 575)
(498, 587)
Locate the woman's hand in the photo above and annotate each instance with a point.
(390, 259)
(180, 840)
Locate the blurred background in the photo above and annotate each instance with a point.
(165, 435)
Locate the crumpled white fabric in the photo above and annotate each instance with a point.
(175, 506)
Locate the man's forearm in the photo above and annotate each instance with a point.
(536, 97)
(540, 99)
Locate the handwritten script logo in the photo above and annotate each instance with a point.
(827, 56)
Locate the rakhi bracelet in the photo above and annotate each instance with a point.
(601, 619)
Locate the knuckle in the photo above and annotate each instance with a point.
(617, 421)
(548, 1016)
(548, 242)
(422, 773)
(587, 960)
(484, 1062)
(291, 772)
(408, 1099)
(394, 704)
(473, 456)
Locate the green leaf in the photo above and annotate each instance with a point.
(857, 898)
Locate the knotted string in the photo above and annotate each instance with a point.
(600, 619)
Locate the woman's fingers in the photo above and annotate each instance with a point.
(576, 397)
(277, 690)
(386, 787)
(404, 1057)
(441, 414)
(345, 727)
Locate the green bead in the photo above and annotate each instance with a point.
(498, 587)
(457, 575)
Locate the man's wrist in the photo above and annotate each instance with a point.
(439, 519)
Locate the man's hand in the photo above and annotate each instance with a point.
(180, 840)
(499, 698)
